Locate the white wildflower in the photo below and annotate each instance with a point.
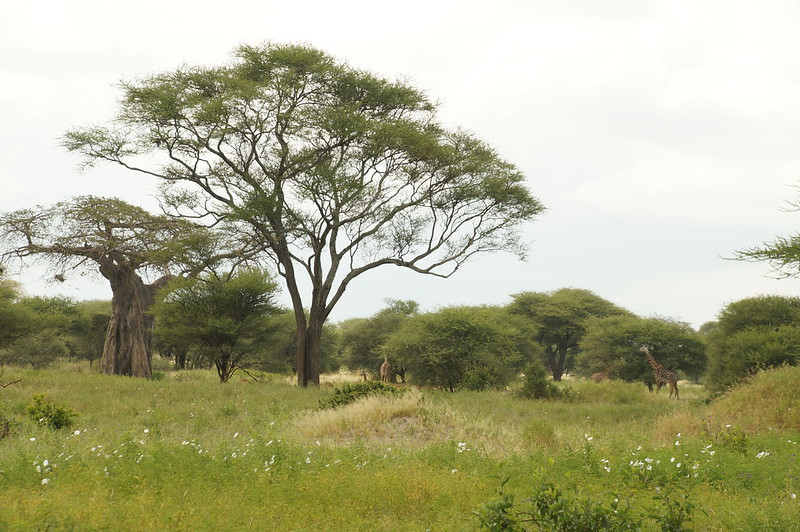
(45, 481)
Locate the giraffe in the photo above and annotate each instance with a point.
(386, 370)
(662, 374)
(602, 375)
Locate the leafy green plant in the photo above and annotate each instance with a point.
(550, 510)
(350, 393)
(49, 414)
(499, 514)
(673, 514)
(536, 385)
(731, 437)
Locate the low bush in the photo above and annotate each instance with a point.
(350, 393)
(549, 509)
(536, 385)
(49, 414)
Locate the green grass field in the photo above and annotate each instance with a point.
(187, 453)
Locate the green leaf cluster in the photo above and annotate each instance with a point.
(454, 348)
(752, 334)
(615, 341)
(222, 320)
(352, 392)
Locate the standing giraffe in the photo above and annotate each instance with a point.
(662, 374)
(386, 370)
(602, 375)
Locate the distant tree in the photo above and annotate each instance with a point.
(362, 339)
(124, 242)
(615, 341)
(752, 334)
(334, 171)
(16, 320)
(37, 350)
(557, 321)
(459, 348)
(88, 332)
(50, 323)
(222, 320)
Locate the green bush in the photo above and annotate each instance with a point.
(536, 384)
(49, 414)
(550, 510)
(349, 393)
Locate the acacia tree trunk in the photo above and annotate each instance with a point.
(127, 347)
(309, 335)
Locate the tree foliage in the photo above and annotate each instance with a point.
(459, 348)
(361, 340)
(333, 170)
(557, 321)
(782, 253)
(615, 341)
(88, 332)
(221, 320)
(16, 320)
(753, 334)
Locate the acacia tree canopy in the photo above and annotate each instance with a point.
(333, 170)
(558, 321)
(223, 320)
(124, 242)
(614, 341)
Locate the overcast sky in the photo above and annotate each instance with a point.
(661, 135)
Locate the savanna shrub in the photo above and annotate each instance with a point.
(350, 393)
(550, 510)
(49, 414)
(536, 384)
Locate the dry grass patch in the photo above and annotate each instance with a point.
(410, 420)
(406, 420)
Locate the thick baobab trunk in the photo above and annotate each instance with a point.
(127, 348)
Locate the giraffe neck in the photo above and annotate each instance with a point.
(655, 365)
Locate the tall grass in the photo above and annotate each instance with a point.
(189, 453)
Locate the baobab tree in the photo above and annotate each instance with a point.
(123, 242)
(335, 172)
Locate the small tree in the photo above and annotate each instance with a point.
(16, 320)
(459, 347)
(88, 333)
(333, 171)
(222, 320)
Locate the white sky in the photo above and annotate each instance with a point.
(660, 135)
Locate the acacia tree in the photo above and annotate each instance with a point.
(333, 170)
(558, 321)
(223, 320)
(124, 242)
(615, 341)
